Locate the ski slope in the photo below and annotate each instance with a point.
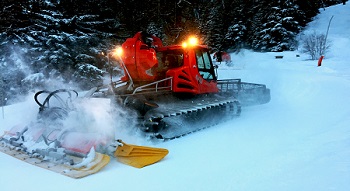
(300, 140)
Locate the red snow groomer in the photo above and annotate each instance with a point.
(175, 89)
(183, 68)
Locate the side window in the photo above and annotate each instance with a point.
(206, 60)
(200, 61)
(204, 65)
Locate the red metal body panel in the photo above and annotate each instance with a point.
(138, 60)
(144, 63)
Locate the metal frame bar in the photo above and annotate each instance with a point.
(143, 88)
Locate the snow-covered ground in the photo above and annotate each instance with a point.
(298, 141)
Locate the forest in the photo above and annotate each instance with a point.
(43, 42)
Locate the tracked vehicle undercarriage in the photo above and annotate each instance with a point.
(165, 115)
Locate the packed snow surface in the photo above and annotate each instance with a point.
(300, 140)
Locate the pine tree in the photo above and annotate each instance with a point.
(238, 16)
(277, 27)
(307, 10)
(214, 27)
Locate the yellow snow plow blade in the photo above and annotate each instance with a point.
(139, 156)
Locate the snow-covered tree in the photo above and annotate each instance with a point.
(87, 74)
(278, 27)
(235, 36)
(214, 26)
(307, 10)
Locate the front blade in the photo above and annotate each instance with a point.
(93, 166)
(139, 156)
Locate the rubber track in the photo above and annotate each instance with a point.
(222, 111)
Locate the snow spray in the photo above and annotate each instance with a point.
(2, 107)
